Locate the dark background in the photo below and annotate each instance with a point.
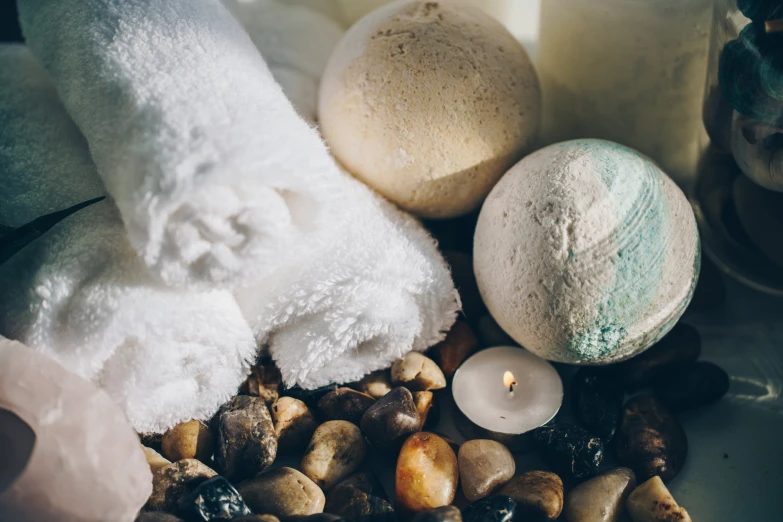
(9, 23)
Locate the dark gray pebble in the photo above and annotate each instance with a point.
(570, 451)
(597, 401)
(214, 499)
(694, 386)
(391, 419)
(499, 508)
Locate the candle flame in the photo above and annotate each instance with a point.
(508, 380)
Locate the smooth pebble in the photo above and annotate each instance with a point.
(376, 384)
(417, 372)
(155, 459)
(602, 498)
(246, 440)
(651, 440)
(294, 424)
(458, 345)
(344, 404)
(188, 440)
(392, 418)
(427, 474)
(215, 499)
(173, 483)
(428, 411)
(692, 386)
(484, 465)
(597, 401)
(652, 502)
(282, 492)
(359, 498)
(536, 493)
(336, 450)
(264, 381)
(441, 514)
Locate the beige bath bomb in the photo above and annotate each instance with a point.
(429, 103)
(67, 452)
(586, 252)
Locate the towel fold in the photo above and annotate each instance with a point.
(81, 295)
(296, 40)
(190, 133)
(346, 283)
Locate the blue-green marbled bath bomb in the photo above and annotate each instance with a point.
(586, 252)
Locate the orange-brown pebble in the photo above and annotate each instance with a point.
(460, 343)
(427, 474)
(188, 440)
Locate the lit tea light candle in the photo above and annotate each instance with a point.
(504, 393)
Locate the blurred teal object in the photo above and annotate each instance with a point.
(12, 240)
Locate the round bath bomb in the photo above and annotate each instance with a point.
(429, 103)
(67, 452)
(586, 252)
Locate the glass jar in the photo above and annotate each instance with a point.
(630, 71)
(738, 196)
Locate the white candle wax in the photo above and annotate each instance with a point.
(482, 394)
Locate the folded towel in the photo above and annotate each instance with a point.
(190, 133)
(356, 285)
(81, 295)
(296, 41)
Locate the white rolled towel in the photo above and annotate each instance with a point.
(190, 133)
(81, 295)
(296, 39)
(361, 286)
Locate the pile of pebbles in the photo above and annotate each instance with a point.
(224, 469)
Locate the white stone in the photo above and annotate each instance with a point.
(86, 463)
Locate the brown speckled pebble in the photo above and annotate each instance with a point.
(246, 440)
(376, 384)
(427, 474)
(417, 372)
(264, 381)
(484, 465)
(650, 440)
(652, 502)
(282, 492)
(390, 419)
(294, 424)
(188, 440)
(458, 345)
(336, 450)
(602, 498)
(536, 493)
(425, 405)
(359, 498)
(344, 404)
(172, 483)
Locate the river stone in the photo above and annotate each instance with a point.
(282, 492)
(536, 493)
(392, 418)
(318, 517)
(680, 347)
(429, 413)
(294, 424)
(693, 386)
(336, 450)
(597, 401)
(602, 498)
(344, 404)
(458, 345)
(359, 498)
(569, 450)
(246, 440)
(264, 381)
(427, 474)
(173, 483)
(215, 499)
(155, 459)
(417, 372)
(499, 508)
(376, 384)
(484, 465)
(441, 514)
(652, 502)
(651, 440)
(188, 440)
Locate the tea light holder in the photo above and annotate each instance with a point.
(503, 394)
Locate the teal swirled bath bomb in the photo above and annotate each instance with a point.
(586, 252)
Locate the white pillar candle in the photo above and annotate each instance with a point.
(507, 390)
(630, 71)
